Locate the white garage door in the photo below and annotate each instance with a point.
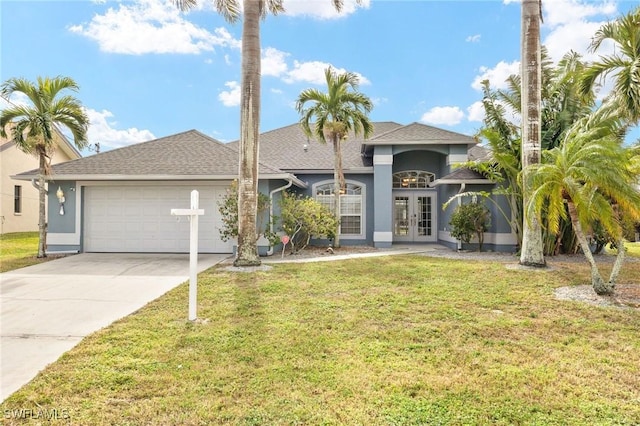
(138, 219)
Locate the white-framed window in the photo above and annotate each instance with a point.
(352, 206)
(412, 179)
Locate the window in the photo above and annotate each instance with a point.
(17, 199)
(412, 179)
(351, 206)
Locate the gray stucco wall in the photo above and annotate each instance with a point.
(62, 223)
(427, 161)
(364, 179)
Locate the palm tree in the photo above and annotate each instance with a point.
(253, 10)
(589, 177)
(562, 105)
(532, 249)
(335, 114)
(624, 63)
(32, 127)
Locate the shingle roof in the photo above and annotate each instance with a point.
(463, 175)
(190, 153)
(285, 148)
(417, 132)
(479, 152)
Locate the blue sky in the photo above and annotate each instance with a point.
(147, 71)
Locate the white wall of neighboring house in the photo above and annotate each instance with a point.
(12, 162)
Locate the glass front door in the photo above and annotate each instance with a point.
(414, 217)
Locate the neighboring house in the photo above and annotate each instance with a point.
(397, 181)
(19, 202)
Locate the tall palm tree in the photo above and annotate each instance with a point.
(532, 249)
(563, 105)
(591, 174)
(334, 115)
(624, 63)
(253, 10)
(32, 127)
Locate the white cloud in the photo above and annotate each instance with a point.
(497, 75)
(104, 131)
(151, 26)
(16, 99)
(561, 12)
(571, 24)
(231, 97)
(273, 62)
(322, 9)
(443, 115)
(473, 38)
(475, 112)
(313, 72)
(277, 91)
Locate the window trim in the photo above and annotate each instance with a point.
(363, 206)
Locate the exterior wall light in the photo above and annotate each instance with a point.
(61, 200)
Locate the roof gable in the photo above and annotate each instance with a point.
(418, 132)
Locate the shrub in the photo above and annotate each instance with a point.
(228, 208)
(469, 220)
(303, 218)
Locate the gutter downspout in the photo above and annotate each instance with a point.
(282, 188)
(462, 188)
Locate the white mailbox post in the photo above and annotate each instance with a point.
(192, 214)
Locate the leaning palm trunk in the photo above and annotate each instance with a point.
(249, 128)
(599, 286)
(532, 247)
(42, 217)
(617, 266)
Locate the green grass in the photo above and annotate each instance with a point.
(18, 250)
(633, 249)
(402, 340)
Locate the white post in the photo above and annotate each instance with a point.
(193, 259)
(192, 214)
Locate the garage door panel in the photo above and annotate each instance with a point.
(137, 219)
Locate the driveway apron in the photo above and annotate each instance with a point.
(47, 309)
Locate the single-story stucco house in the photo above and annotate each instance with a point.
(397, 181)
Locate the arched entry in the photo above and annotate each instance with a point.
(414, 207)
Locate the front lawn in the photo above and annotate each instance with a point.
(18, 250)
(401, 340)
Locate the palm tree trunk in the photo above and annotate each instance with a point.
(532, 252)
(338, 184)
(617, 266)
(599, 286)
(42, 216)
(249, 129)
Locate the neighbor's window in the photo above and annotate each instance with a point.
(17, 199)
(351, 206)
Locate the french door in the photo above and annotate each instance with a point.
(414, 216)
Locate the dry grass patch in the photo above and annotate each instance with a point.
(401, 340)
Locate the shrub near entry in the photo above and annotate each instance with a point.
(303, 218)
(469, 220)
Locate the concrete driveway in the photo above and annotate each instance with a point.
(48, 308)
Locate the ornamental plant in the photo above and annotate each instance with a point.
(303, 218)
(469, 220)
(228, 207)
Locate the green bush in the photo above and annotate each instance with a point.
(303, 218)
(469, 220)
(228, 208)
